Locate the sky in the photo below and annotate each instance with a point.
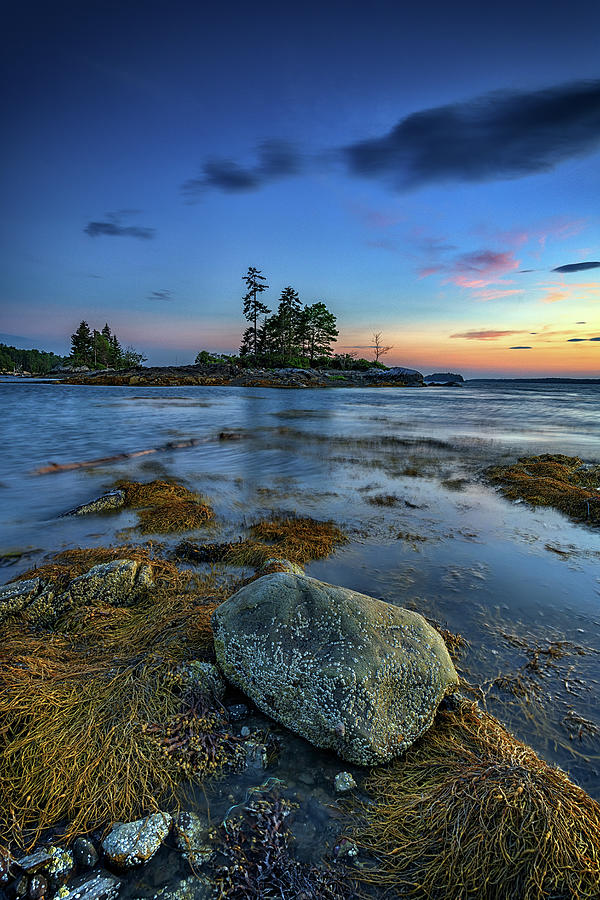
(430, 172)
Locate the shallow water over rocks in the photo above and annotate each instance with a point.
(400, 470)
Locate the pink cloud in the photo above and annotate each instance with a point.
(485, 335)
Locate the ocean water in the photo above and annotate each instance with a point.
(508, 578)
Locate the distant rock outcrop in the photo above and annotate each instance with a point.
(443, 378)
(349, 673)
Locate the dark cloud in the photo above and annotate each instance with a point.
(161, 295)
(577, 267)
(575, 340)
(524, 271)
(113, 229)
(276, 159)
(499, 135)
(595, 339)
(503, 134)
(581, 323)
(520, 348)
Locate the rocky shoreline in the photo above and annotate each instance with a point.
(237, 376)
(126, 676)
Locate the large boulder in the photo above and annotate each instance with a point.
(347, 672)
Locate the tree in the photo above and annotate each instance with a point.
(82, 345)
(318, 330)
(285, 325)
(378, 346)
(131, 358)
(253, 307)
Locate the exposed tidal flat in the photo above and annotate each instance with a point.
(401, 474)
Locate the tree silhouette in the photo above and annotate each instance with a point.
(378, 346)
(253, 307)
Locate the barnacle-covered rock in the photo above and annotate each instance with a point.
(16, 596)
(106, 503)
(119, 582)
(347, 672)
(191, 838)
(134, 843)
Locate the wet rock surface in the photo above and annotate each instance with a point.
(134, 843)
(106, 503)
(347, 672)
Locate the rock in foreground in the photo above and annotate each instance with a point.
(347, 672)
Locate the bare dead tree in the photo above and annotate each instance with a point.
(378, 346)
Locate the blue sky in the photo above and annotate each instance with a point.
(406, 166)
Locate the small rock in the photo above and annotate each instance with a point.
(38, 888)
(191, 835)
(237, 712)
(59, 867)
(101, 886)
(345, 849)
(343, 782)
(245, 731)
(196, 887)
(256, 755)
(34, 861)
(16, 596)
(280, 565)
(136, 842)
(21, 886)
(85, 854)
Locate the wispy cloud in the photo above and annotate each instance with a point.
(520, 348)
(161, 295)
(577, 267)
(556, 292)
(112, 227)
(489, 335)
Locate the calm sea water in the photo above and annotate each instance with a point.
(503, 575)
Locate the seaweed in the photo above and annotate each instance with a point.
(471, 811)
(78, 708)
(165, 506)
(562, 482)
(255, 846)
(294, 538)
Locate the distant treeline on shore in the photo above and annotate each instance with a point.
(37, 362)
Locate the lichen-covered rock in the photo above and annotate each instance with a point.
(347, 672)
(59, 866)
(136, 842)
(119, 582)
(106, 503)
(16, 596)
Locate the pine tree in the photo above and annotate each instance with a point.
(82, 345)
(253, 307)
(287, 324)
(318, 330)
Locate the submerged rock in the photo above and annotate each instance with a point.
(347, 672)
(136, 842)
(343, 782)
(106, 503)
(196, 887)
(191, 838)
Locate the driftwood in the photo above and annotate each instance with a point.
(51, 468)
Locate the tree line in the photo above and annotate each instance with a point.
(38, 362)
(101, 349)
(293, 335)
